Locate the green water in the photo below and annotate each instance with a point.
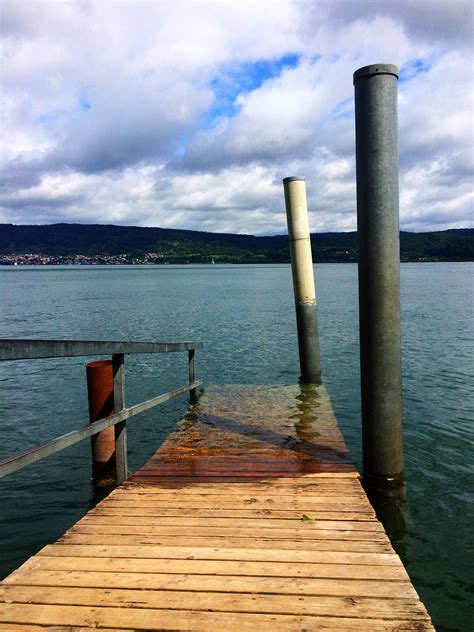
(245, 317)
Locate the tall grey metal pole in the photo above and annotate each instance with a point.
(379, 273)
(303, 279)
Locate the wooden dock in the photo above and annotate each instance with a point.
(250, 516)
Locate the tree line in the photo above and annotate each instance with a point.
(185, 246)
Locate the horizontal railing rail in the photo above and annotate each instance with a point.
(11, 349)
(22, 459)
(25, 349)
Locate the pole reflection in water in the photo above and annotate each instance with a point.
(391, 509)
(191, 417)
(308, 401)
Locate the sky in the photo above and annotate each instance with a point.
(189, 114)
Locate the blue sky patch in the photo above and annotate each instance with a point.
(344, 109)
(84, 102)
(182, 145)
(241, 79)
(413, 68)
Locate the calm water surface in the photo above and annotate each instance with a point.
(245, 317)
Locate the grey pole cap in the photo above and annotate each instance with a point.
(375, 69)
(293, 179)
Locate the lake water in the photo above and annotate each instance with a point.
(245, 317)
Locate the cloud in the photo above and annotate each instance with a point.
(426, 20)
(188, 115)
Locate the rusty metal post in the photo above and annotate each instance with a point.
(101, 404)
(379, 273)
(303, 279)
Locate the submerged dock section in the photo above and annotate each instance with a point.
(250, 516)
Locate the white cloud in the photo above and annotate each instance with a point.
(111, 111)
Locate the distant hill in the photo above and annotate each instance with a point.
(187, 246)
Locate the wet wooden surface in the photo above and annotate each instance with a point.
(250, 516)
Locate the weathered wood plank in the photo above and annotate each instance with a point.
(287, 484)
(245, 496)
(259, 523)
(234, 478)
(216, 567)
(223, 583)
(316, 486)
(272, 514)
(224, 532)
(230, 542)
(208, 553)
(24, 627)
(362, 607)
(256, 501)
(186, 493)
(146, 619)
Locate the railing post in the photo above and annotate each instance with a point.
(379, 273)
(303, 279)
(192, 370)
(101, 404)
(121, 460)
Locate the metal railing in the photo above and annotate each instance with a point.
(11, 349)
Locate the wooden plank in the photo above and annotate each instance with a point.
(362, 607)
(209, 553)
(294, 510)
(159, 490)
(254, 524)
(203, 469)
(12, 627)
(140, 618)
(296, 503)
(285, 484)
(368, 546)
(24, 627)
(238, 485)
(273, 514)
(333, 449)
(295, 507)
(324, 497)
(223, 533)
(234, 478)
(245, 489)
(216, 567)
(292, 463)
(237, 492)
(296, 535)
(223, 583)
(255, 500)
